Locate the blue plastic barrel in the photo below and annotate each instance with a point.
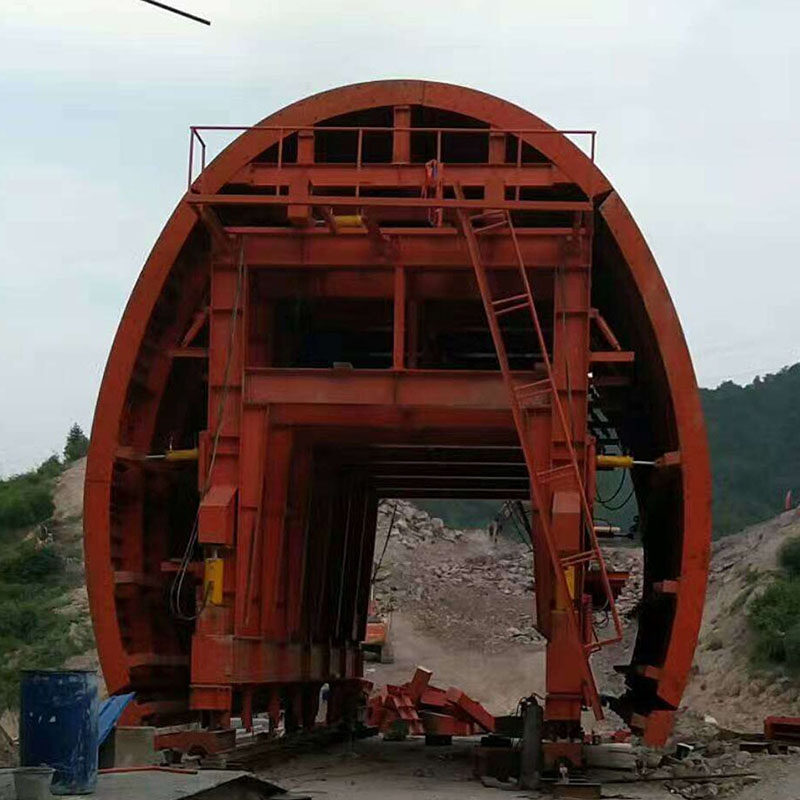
(58, 727)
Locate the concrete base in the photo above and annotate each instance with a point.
(134, 747)
(7, 790)
(212, 784)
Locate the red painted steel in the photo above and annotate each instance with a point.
(310, 322)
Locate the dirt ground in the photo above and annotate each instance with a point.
(372, 768)
(723, 682)
(463, 607)
(498, 680)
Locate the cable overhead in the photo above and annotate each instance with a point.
(177, 11)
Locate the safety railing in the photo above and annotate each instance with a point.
(198, 146)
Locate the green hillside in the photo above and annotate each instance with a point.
(615, 505)
(754, 435)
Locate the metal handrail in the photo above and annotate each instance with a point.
(288, 130)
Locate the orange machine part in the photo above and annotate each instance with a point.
(310, 321)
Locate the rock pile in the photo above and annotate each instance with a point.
(463, 584)
(411, 526)
(630, 560)
(508, 576)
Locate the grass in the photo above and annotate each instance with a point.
(789, 557)
(774, 618)
(27, 499)
(741, 599)
(774, 615)
(35, 631)
(751, 575)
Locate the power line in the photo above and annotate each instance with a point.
(177, 11)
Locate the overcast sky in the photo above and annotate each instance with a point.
(695, 102)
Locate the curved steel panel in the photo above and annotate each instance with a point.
(679, 389)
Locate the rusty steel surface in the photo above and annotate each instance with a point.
(309, 320)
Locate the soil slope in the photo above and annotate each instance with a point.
(724, 684)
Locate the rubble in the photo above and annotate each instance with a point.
(421, 708)
(459, 583)
(455, 582)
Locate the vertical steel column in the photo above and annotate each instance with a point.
(273, 575)
(399, 328)
(212, 642)
(250, 535)
(300, 492)
(401, 143)
(571, 307)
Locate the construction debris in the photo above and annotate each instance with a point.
(418, 708)
(464, 587)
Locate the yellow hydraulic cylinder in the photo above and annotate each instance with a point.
(349, 220)
(175, 455)
(212, 580)
(181, 455)
(622, 462)
(614, 462)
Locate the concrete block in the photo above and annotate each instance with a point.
(135, 746)
(7, 790)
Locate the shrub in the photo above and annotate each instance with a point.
(31, 565)
(741, 599)
(24, 500)
(773, 616)
(792, 646)
(32, 634)
(51, 468)
(21, 620)
(789, 556)
(28, 498)
(751, 575)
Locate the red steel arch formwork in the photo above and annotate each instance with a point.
(391, 289)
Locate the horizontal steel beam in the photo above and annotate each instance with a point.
(433, 454)
(414, 248)
(442, 482)
(395, 175)
(439, 471)
(386, 202)
(441, 424)
(612, 357)
(434, 388)
(452, 494)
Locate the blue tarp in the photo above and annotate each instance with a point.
(110, 712)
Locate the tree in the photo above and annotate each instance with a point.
(77, 444)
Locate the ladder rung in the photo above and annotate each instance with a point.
(508, 309)
(492, 226)
(542, 385)
(510, 299)
(527, 392)
(522, 394)
(599, 644)
(547, 474)
(489, 215)
(578, 558)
